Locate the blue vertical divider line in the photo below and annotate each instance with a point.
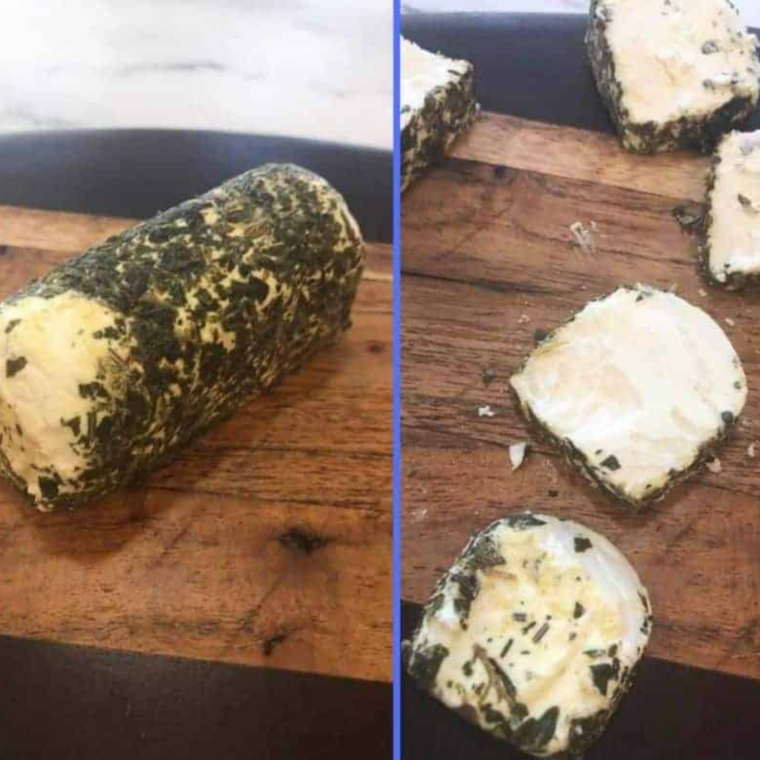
(396, 384)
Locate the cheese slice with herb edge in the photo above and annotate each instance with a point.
(730, 248)
(673, 73)
(437, 105)
(534, 634)
(637, 390)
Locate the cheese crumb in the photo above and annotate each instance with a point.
(703, 292)
(517, 453)
(486, 411)
(730, 322)
(583, 237)
(751, 451)
(714, 465)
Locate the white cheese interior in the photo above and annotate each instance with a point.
(642, 376)
(734, 241)
(422, 72)
(589, 601)
(680, 57)
(54, 336)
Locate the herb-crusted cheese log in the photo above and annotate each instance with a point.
(673, 73)
(730, 249)
(437, 105)
(637, 390)
(534, 634)
(110, 363)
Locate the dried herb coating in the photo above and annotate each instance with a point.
(213, 302)
(448, 111)
(700, 133)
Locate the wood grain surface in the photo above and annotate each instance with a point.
(486, 261)
(268, 542)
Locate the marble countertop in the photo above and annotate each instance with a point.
(319, 69)
(750, 8)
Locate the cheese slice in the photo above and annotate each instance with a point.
(637, 389)
(437, 105)
(534, 633)
(732, 241)
(674, 73)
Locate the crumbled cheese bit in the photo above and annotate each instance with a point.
(714, 465)
(486, 411)
(583, 237)
(517, 452)
(730, 322)
(703, 292)
(523, 319)
(751, 451)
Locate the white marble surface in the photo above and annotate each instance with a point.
(750, 8)
(320, 69)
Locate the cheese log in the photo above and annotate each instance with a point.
(437, 105)
(637, 390)
(673, 73)
(112, 362)
(534, 634)
(730, 246)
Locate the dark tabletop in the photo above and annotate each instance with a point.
(62, 701)
(534, 66)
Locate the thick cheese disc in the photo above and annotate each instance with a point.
(674, 71)
(732, 241)
(636, 388)
(437, 105)
(534, 633)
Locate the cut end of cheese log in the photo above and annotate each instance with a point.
(534, 634)
(673, 73)
(637, 390)
(437, 105)
(110, 363)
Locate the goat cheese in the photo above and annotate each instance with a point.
(637, 390)
(110, 363)
(673, 73)
(437, 105)
(534, 634)
(730, 250)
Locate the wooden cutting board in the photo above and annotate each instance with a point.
(486, 261)
(267, 543)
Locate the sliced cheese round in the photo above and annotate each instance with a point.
(437, 103)
(637, 388)
(673, 73)
(680, 58)
(534, 633)
(733, 234)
